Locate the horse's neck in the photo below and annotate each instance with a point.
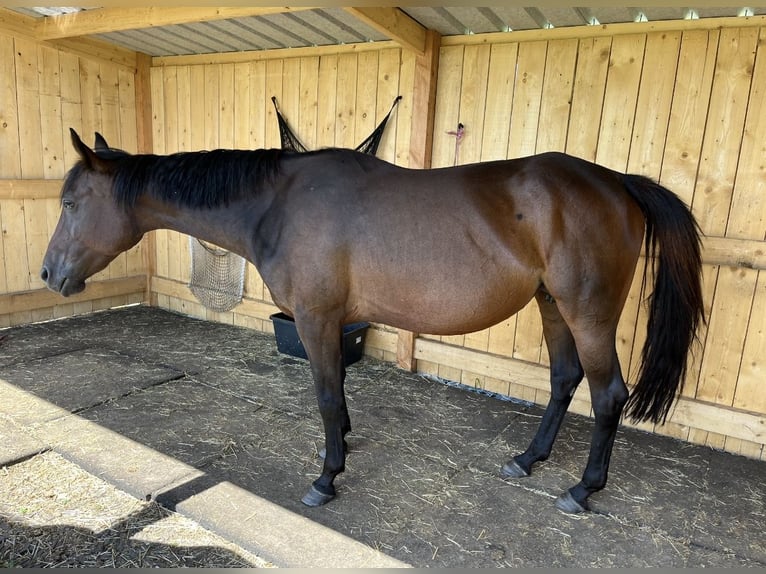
(226, 227)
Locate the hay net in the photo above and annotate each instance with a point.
(217, 275)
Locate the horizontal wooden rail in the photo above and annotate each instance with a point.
(617, 29)
(30, 188)
(709, 417)
(43, 298)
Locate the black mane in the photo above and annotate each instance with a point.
(200, 179)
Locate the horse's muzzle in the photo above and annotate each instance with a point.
(60, 284)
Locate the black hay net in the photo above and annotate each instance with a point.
(369, 146)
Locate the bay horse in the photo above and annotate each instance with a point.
(340, 237)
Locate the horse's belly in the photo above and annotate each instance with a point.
(447, 303)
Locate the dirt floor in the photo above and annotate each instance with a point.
(222, 414)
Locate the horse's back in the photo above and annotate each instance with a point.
(465, 246)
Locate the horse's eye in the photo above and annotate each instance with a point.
(67, 204)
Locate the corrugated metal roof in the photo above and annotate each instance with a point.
(334, 25)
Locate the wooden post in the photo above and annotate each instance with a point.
(143, 86)
(421, 142)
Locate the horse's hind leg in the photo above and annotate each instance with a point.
(596, 347)
(566, 374)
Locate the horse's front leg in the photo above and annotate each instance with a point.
(322, 340)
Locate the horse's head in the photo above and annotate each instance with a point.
(93, 227)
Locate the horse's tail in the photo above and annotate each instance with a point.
(676, 308)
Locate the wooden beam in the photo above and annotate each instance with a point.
(43, 298)
(750, 253)
(275, 54)
(424, 102)
(617, 29)
(105, 20)
(394, 24)
(421, 142)
(22, 26)
(30, 188)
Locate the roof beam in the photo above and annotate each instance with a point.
(395, 24)
(105, 20)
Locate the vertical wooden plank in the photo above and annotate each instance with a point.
(307, 107)
(556, 97)
(655, 97)
(388, 90)
(71, 103)
(50, 113)
(126, 94)
(447, 106)
(10, 147)
(28, 92)
(327, 85)
(226, 107)
(366, 96)
(197, 107)
(346, 106)
(688, 113)
(242, 125)
(212, 108)
(15, 244)
(588, 96)
(184, 117)
(749, 394)
(258, 100)
(409, 148)
(290, 102)
(726, 334)
(90, 93)
(170, 108)
(723, 133)
(525, 116)
(747, 218)
(625, 65)
(473, 94)
(499, 102)
(273, 89)
(418, 73)
(10, 166)
(110, 104)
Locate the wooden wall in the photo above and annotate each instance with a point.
(46, 90)
(683, 106)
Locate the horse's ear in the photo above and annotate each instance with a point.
(88, 156)
(100, 143)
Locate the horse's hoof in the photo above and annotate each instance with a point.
(315, 498)
(512, 469)
(566, 503)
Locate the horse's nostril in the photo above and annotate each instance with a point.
(44, 274)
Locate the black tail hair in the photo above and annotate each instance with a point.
(673, 244)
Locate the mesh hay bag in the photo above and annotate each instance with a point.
(217, 276)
